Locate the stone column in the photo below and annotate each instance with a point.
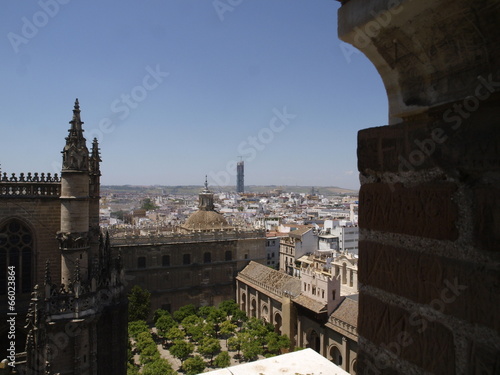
(345, 355)
(322, 343)
(300, 338)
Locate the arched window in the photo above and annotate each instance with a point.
(313, 341)
(278, 322)
(207, 257)
(228, 255)
(265, 311)
(165, 260)
(336, 356)
(16, 249)
(141, 262)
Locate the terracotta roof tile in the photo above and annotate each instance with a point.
(347, 311)
(272, 278)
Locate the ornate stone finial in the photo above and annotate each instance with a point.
(95, 158)
(29, 341)
(47, 278)
(206, 183)
(76, 121)
(77, 271)
(75, 153)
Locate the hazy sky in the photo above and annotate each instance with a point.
(177, 89)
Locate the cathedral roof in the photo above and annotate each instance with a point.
(264, 275)
(206, 220)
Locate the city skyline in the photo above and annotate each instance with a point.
(179, 90)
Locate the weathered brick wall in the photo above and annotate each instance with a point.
(429, 250)
(429, 210)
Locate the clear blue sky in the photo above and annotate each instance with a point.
(178, 89)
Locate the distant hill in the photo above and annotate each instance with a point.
(195, 189)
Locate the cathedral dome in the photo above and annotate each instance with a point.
(205, 220)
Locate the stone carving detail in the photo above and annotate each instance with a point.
(103, 287)
(75, 158)
(76, 153)
(30, 185)
(73, 241)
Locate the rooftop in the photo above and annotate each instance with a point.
(303, 362)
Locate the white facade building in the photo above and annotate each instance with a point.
(347, 233)
(299, 242)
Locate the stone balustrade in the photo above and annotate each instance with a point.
(30, 185)
(160, 239)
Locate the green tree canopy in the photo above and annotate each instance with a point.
(194, 365)
(139, 304)
(216, 316)
(149, 353)
(276, 342)
(158, 367)
(132, 369)
(234, 344)
(229, 307)
(223, 360)
(191, 320)
(136, 327)
(239, 317)
(148, 205)
(205, 311)
(184, 312)
(208, 347)
(164, 324)
(250, 348)
(226, 329)
(143, 340)
(175, 333)
(159, 313)
(181, 349)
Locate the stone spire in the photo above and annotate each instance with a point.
(75, 153)
(95, 159)
(74, 238)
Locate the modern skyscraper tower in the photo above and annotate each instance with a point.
(240, 180)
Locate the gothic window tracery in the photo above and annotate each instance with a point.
(16, 249)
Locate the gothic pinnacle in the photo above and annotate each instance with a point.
(75, 153)
(76, 122)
